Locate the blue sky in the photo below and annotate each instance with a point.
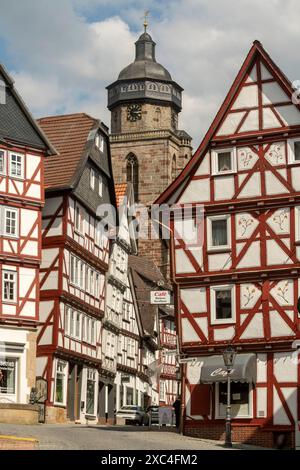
(63, 53)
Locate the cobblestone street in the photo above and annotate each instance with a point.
(79, 437)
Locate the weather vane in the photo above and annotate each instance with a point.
(146, 14)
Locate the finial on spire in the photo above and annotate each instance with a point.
(146, 14)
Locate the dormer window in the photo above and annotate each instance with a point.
(92, 178)
(223, 161)
(100, 185)
(99, 141)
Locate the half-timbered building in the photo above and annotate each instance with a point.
(237, 277)
(169, 380)
(118, 353)
(74, 265)
(146, 277)
(23, 148)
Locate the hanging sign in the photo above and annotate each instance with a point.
(160, 297)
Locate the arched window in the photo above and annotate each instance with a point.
(158, 116)
(173, 170)
(132, 174)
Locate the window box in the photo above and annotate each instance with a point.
(224, 161)
(219, 233)
(222, 300)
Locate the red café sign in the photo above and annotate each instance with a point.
(160, 297)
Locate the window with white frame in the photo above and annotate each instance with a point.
(162, 390)
(92, 282)
(92, 178)
(99, 234)
(222, 304)
(78, 326)
(100, 185)
(88, 329)
(294, 150)
(74, 270)
(93, 338)
(9, 221)
(16, 165)
(90, 391)
(9, 286)
(240, 398)
(82, 275)
(87, 278)
(223, 161)
(72, 321)
(2, 162)
(60, 383)
(297, 223)
(79, 219)
(218, 232)
(84, 338)
(97, 286)
(99, 141)
(67, 320)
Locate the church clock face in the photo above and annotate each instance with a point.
(134, 112)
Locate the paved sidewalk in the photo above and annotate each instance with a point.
(18, 443)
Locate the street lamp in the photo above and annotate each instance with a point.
(228, 357)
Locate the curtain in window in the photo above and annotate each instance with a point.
(219, 232)
(224, 161)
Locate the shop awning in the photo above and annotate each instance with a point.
(244, 369)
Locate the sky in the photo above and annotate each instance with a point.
(63, 53)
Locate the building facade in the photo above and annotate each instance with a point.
(237, 281)
(169, 379)
(23, 149)
(75, 255)
(147, 148)
(118, 351)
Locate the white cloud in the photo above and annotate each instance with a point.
(64, 56)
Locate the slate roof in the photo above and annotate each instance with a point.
(17, 125)
(69, 133)
(146, 277)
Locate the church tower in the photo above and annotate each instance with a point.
(147, 148)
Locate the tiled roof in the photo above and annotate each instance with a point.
(120, 190)
(69, 134)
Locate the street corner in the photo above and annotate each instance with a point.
(18, 443)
